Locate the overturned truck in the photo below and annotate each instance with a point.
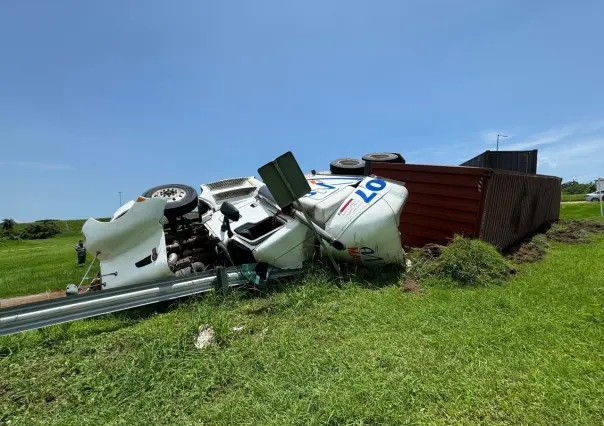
(174, 231)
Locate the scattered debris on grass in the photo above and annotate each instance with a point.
(206, 337)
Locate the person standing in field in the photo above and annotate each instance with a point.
(80, 249)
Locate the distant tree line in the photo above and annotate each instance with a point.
(574, 187)
(31, 231)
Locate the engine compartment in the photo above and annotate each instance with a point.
(191, 248)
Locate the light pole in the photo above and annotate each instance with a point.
(503, 136)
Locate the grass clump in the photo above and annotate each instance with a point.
(472, 262)
(464, 262)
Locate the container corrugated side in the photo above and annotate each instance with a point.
(518, 204)
(443, 200)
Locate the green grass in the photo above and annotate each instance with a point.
(530, 351)
(33, 266)
(573, 197)
(589, 210)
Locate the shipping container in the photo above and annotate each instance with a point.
(514, 161)
(518, 204)
(497, 206)
(443, 200)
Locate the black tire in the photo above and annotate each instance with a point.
(182, 199)
(595, 199)
(384, 157)
(347, 166)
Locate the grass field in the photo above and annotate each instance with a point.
(573, 197)
(33, 266)
(527, 352)
(580, 211)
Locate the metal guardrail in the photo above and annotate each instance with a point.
(45, 313)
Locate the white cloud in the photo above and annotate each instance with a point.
(545, 160)
(583, 149)
(584, 157)
(556, 135)
(567, 151)
(34, 165)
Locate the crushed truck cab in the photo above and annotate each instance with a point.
(239, 222)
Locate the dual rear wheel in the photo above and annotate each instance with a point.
(356, 166)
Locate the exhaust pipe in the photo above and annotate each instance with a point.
(338, 245)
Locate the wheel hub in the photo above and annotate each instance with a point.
(170, 193)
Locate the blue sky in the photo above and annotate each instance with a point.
(98, 97)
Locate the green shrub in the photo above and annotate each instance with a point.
(472, 262)
(40, 230)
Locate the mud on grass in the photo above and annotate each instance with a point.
(534, 248)
(575, 231)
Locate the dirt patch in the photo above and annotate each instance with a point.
(411, 286)
(21, 300)
(529, 251)
(431, 251)
(534, 248)
(575, 231)
(39, 297)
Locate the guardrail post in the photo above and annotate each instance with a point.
(222, 281)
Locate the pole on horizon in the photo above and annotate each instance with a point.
(599, 189)
(503, 136)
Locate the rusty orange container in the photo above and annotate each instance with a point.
(497, 206)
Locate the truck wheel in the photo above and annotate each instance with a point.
(347, 166)
(182, 199)
(384, 157)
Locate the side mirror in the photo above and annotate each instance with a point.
(230, 211)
